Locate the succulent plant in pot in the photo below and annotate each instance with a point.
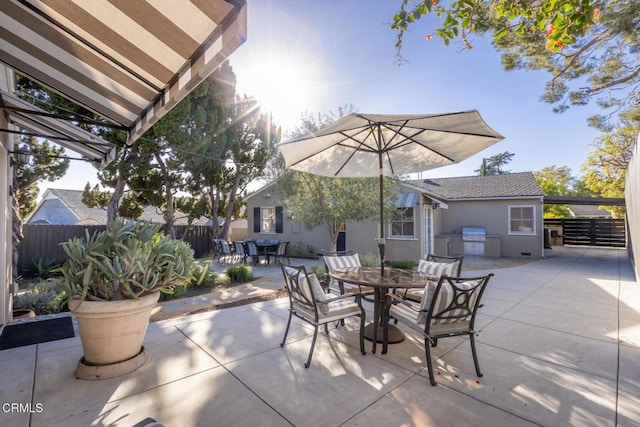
(113, 279)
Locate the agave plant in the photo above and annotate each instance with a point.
(128, 261)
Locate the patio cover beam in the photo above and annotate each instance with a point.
(90, 146)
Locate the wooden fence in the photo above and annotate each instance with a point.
(591, 231)
(42, 241)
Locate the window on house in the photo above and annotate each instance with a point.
(402, 223)
(268, 220)
(521, 220)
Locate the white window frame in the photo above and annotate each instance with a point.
(402, 236)
(533, 221)
(263, 220)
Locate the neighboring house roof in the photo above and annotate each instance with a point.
(588, 211)
(72, 199)
(521, 184)
(260, 190)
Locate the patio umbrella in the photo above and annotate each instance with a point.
(398, 144)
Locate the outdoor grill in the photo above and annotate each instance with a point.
(473, 239)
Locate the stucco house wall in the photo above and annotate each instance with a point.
(443, 205)
(493, 215)
(287, 229)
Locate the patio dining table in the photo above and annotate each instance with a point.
(265, 247)
(381, 280)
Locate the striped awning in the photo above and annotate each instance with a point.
(129, 61)
(407, 200)
(36, 122)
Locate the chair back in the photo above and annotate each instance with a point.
(305, 292)
(282, 248)
(239, 247)
(217, 246)
(252, 249)
(331, 262)
(452, 300)
(437, 266)
(226, 249)
(336, 253)
(343, 261)
(448, 259)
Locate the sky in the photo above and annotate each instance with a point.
(315, 56)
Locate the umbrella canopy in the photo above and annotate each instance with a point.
(397, 144)
(369, 145)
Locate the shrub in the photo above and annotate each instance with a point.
(43, 297)
(240, 273)
(130, 260)
(320, 271)
(405, 265)
(202, 276)
(296, 248)
(44, 268)
(370, 260)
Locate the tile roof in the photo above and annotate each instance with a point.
(482, 187)
(73, 200)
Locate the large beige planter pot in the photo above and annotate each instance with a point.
(112, 333)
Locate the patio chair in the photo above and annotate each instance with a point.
(436, 266)
(308, 302)
(225, 251)
(217, 249)
(279, 254)
(252, 252)
(240, 252)
(448, 310)
(343, 259)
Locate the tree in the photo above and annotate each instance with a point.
(605, 170)
(228, 146)
(556, 181)
(318, 200)
(590, 45)
(40, 161)
(334, 200)
(493, 165)
(210, 146)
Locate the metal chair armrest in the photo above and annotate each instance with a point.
(395, 299)
(343, 296)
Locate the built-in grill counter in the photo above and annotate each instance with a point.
(470, 241)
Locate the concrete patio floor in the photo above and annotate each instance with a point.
(559, 344)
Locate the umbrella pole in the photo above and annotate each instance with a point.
(381, 241)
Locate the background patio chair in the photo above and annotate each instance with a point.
(448, 310)
(225, 251)
(217, 249)
(240, 252)
(279, 254)
(436, 266)
(307, 301)
(252, 252)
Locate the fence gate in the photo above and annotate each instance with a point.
(591, 231)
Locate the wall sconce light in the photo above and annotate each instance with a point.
(267, 196)
(435, 206)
